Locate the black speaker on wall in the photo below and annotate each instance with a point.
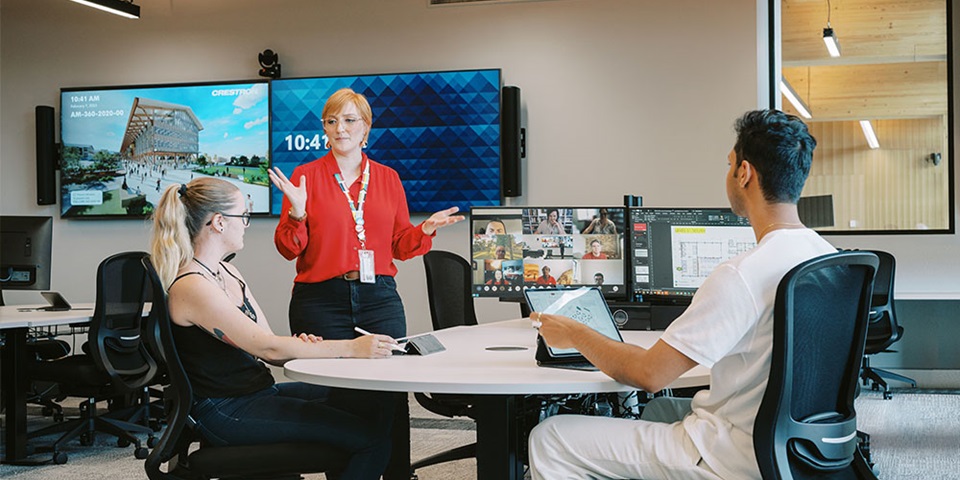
(46, 157)
(511, 142)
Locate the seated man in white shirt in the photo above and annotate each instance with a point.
(728, 328)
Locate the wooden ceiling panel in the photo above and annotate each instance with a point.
(893, 62)
(852, 92)
(868, 30)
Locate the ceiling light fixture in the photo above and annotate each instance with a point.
(870, 134)
(124, 8)
(830, 40)
(794, 99)
(830, 37)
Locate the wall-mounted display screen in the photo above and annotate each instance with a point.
(122, 146)
(675, 249)
(439, 130)
(513, 248)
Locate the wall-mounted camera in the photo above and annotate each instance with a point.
(269, 64)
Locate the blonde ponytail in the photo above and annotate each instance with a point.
(171, 248)
(179, 217)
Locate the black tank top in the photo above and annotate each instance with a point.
(217, 369)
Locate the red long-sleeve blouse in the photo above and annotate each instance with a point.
(325, 244)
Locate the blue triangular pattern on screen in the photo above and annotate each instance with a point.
(310, 122)
(439, 130)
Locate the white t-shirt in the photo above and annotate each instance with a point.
(728, 327)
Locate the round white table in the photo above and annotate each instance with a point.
(493, 361)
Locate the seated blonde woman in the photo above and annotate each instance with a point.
(223, 338)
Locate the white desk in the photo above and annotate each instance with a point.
(926, 295)
(468, 367)
(14, 325)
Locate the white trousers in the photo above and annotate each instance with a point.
(577, 447)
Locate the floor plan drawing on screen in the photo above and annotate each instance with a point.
(580, 304)
(585, 315)
(702, 248)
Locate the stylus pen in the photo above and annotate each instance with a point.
(393, 346)
(408, 337)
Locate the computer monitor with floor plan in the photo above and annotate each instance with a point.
(674, 249)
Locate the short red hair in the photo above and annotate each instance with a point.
(336, 103)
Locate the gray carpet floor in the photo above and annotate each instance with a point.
(430, 434)
(916, 435)
(913, 435)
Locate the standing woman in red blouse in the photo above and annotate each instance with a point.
(345, 219)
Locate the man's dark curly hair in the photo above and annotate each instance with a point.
(780, 148)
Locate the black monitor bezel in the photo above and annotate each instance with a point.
(40, 231)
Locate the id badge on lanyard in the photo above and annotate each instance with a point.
(367, 269)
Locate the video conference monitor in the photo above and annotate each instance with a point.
(516, 248)
(674, 249)
(122, 146)
(439, 130)
(25, 247)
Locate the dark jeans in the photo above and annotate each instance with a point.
(332, 309)
(300, 412)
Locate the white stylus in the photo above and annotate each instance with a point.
(393, 346)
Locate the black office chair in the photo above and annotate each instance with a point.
(46, 394)
(117, 368)
(883, 329)
(174, 452)
(806, 426)
(42, 393)
(448, 286)
(451, 305)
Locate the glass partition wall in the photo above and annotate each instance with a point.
(879, 106)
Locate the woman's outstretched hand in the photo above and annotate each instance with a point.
(296, 194)
(441, 219)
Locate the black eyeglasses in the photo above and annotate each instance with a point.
(245, 216)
